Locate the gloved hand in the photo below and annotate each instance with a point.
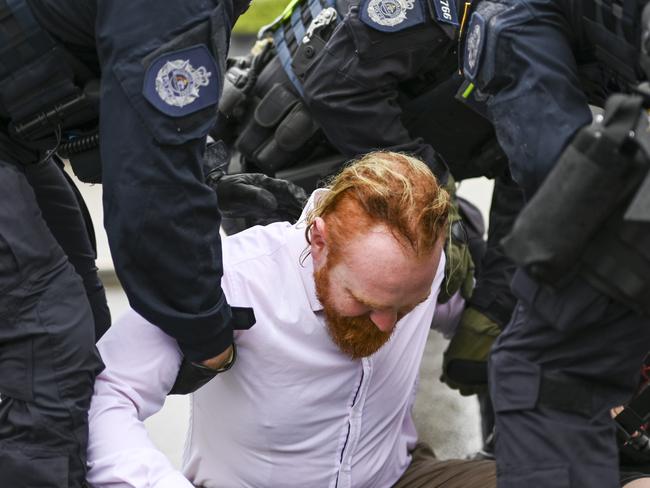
(255, 195)
(464, 363)
(192, 376)
(459, 267)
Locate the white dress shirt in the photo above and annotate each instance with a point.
(293, 411)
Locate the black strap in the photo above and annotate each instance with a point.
(243, 318)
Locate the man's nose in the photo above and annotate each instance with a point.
(385, 320)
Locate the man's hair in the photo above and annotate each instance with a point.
(386, 188)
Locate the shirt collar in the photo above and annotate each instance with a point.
(299, 247)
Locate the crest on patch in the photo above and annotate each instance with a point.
(389, 12)
(178, 82)
(474, 45)
(182, 82)
(392, 15)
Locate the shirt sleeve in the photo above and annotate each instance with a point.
(133, 386)
(352, 89)
(161, 219)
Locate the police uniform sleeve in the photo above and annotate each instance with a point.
(521, 56)
(161, 78)
(352, 89)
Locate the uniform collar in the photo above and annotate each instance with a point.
(299, 247)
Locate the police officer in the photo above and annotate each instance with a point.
(127, 91)
(580, 329)
(353, 77)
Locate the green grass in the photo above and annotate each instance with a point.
(260, 13)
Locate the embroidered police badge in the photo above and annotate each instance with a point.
(178, 83)
(473, 45)
(388, 12)
(182, 82)
(391, 15)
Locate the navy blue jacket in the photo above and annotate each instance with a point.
(162, 220)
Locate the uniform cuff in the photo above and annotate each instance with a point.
(206, 349)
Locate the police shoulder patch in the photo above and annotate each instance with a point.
(392, 15)
(445, 11)
(182, 82)
(474, 45)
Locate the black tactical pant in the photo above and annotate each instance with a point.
(576, 337)
(48, 361)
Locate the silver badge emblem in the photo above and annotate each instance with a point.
(473, 46)
(389, 12)
(178, 83)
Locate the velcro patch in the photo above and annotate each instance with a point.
(473, 46)
(183, 82)
(392, 15)
(446, 11)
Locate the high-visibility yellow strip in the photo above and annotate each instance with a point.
(288, 10)
(286, 14)
(468, 91)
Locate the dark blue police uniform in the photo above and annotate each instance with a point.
(570, 352)
(160, 65)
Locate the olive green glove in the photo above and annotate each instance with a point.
(464, 363)
(459, 267)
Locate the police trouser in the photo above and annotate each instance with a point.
(492, 294)
(48, 361)
(563, 361)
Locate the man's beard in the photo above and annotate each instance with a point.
(358, 337)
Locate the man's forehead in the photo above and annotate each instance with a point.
(382, 247)
(378, 274)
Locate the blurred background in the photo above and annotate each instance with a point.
(448, 421)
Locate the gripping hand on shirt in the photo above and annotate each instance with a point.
(255, 195)
(464, 363)
(250, 195)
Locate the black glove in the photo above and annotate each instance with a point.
(250, 195)
(464, 363)
(255, 195)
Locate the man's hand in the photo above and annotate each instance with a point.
(255, 195)
(459, 266)
(464, 363)
(219, 361)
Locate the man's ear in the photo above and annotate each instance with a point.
(318, 242)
